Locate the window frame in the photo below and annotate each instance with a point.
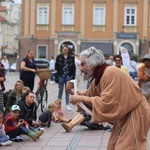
(46, 53)
(38, 14)
(130, 16)
(103, 19)
(63, 17)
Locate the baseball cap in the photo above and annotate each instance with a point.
(15, 107)
(147, 56)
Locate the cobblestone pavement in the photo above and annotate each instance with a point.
(55, 138)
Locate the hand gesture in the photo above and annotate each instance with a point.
(33, 70)
(80, 93)
(34, 123)
(76, 99)
(20, 123)
(69, 87)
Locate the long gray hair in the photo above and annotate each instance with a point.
(94, 57)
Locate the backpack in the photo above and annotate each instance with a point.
(5, 97)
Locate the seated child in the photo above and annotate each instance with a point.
(46, 117)
(25, 89)
(14, 127)
(4, 139)
(58, 114)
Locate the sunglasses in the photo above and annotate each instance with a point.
(118, 60)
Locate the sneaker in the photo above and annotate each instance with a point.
(68, 107)
(19, 138)
(94, 126)
(107, 128)
(7, 143)
(42, 130)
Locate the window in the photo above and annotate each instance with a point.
(99, 16)
(41, 51)
(42, 15)
(130, 16)
(68, 16)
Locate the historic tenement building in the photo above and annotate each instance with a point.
(105, 24)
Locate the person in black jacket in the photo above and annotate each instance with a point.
(65, 67)
(28, 109)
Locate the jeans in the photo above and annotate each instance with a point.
(17, 132)
(133, 75)
(4, 138)
(52, 76)
(61, 82)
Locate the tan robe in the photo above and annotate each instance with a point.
(113, 100)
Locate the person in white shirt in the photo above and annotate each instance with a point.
(5, 62)
(52, 69)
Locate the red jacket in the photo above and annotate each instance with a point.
(11, 124)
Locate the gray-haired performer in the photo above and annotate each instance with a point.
(114, 97)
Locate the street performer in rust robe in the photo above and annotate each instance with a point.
(114, 97)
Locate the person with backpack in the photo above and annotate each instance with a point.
(15, 95)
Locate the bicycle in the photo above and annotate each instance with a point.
(42, 96)
(42, 92)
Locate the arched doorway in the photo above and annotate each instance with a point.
(129, 47)
(70, 45)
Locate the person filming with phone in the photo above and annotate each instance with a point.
(15, 127)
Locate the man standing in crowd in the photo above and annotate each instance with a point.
(52, 69)
(65, 67)
(144, 76)
(113, 96)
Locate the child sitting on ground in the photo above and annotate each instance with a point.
(14, 127)
(46, 117)
(4, 139)
(25, 89)
(58, 114)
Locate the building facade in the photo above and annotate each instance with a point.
(104, 24)
(10, 30)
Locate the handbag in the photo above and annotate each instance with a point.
(56, 77)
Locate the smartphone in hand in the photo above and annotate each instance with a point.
(21, 120)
